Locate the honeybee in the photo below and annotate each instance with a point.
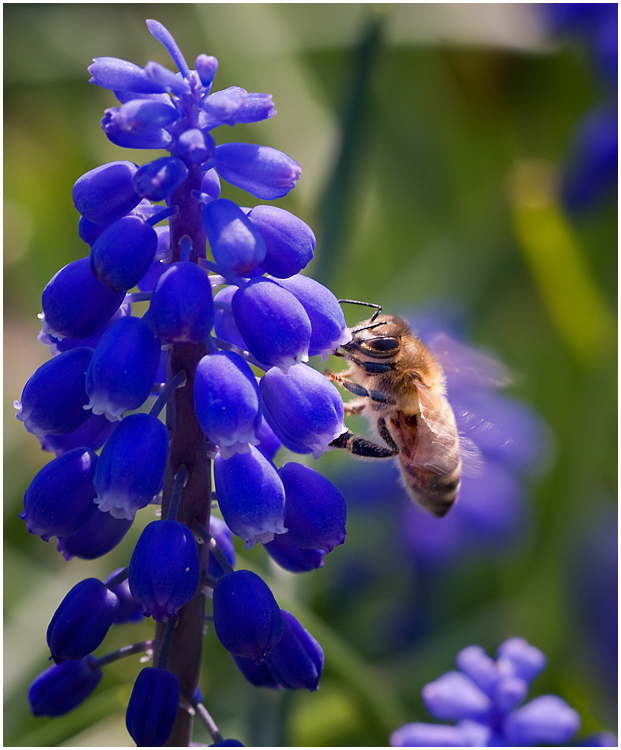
(401, 389)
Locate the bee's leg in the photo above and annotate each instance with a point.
(372, 368)
(342, 380)
(359, 446)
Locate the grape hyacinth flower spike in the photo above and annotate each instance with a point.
(222, 347)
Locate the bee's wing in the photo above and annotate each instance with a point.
(473, 366)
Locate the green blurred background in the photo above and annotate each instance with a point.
(429, 135)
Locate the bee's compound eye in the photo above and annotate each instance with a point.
(385, 345)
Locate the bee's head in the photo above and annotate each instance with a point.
(379, 337)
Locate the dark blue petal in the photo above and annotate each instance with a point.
(181, 307)
(60, 498)
(273, 323)
(164, 569)
(293, 558)
(92, 434)
(160, 178)
(195, 146)
(123, 368)
(297, 661)
(257, 674)
(251, 496)
(247, 619)
(76, 304)
(82, 620)
(289, 242)
(106, 193)
(225, 326)
(236, 246)
(54, 398)
(153, 139)
(122, 254)
(152, 707)
(129, 609)
(227, 403)
(101, 533)
(64, 686)
(316, 510)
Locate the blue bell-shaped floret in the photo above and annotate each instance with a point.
(246, 617)
(236, 246)
(122, 254)
(289, 242)
(64, 686)
(160, 178)
(101, 533)
(263, 171)
(297, 661)
(106, 193)
(153, 707)
(292, 557)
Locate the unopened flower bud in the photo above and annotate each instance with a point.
(54, 398)
(146, 115)
(82, 620)
(114, 73)
(297, 661)
(152, 707)
(261, 170)
(196, 146)
(122, 254)
(289, 242)
(273, 323)
(247, 619)
(303, 408)
(292, 557)
(227, 403)
(164, 569)
(160, 178)
(60, 498)
(206, 67)
(181, 307)
(106, 193)
(64, 686)
(123, 368)
(101, 533)
(130, 470)
(237, 247)
(251, 496)
(76, 304)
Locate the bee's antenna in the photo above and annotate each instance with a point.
(378, 308)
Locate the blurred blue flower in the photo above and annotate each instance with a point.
(484, 698)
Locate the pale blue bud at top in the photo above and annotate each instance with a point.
(206, 67)
(60, 498)
(272, 322)
(263, 171)
(289, 242)
(546, 720)
(235, 104)
(316, 509)
(106, 193)
(251, 496)
(292, 557)
(114, 73)
(54, 398)
(77, 305)
(210, 184)
(225, 326)
(81, 620)
(196, 146)
(481, 668)
(329, 329)
(181, 307)
(165, 38)
(164, 569)
(297, 661)
(160, 178)
(152, 707)
(517, 657)
(123, 368)
(227, 403)
(130, 470)
(64, 686)
(246, 617)
(122, 254)
(92, 434)
(100, 534)
(454, 696)
(141, 116)
(173, 82)
(159, 138)
(236, 246)
(303, 407)
(221, 533)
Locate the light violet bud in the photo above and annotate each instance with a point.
(106, 193)
(227, 402)
(518, 658)
(160, 138)
(236, 246)
(206, 67)
(251, 496)
(123, 368)
(454, 696)
(210, 184)
(329, 330)
(303, 407)
(145, 115)
(273, 323)
(546, 720)
(263, 171)
(130, 470)
(195, 146)
(114, 73)
(77, 305)
(289, 242)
